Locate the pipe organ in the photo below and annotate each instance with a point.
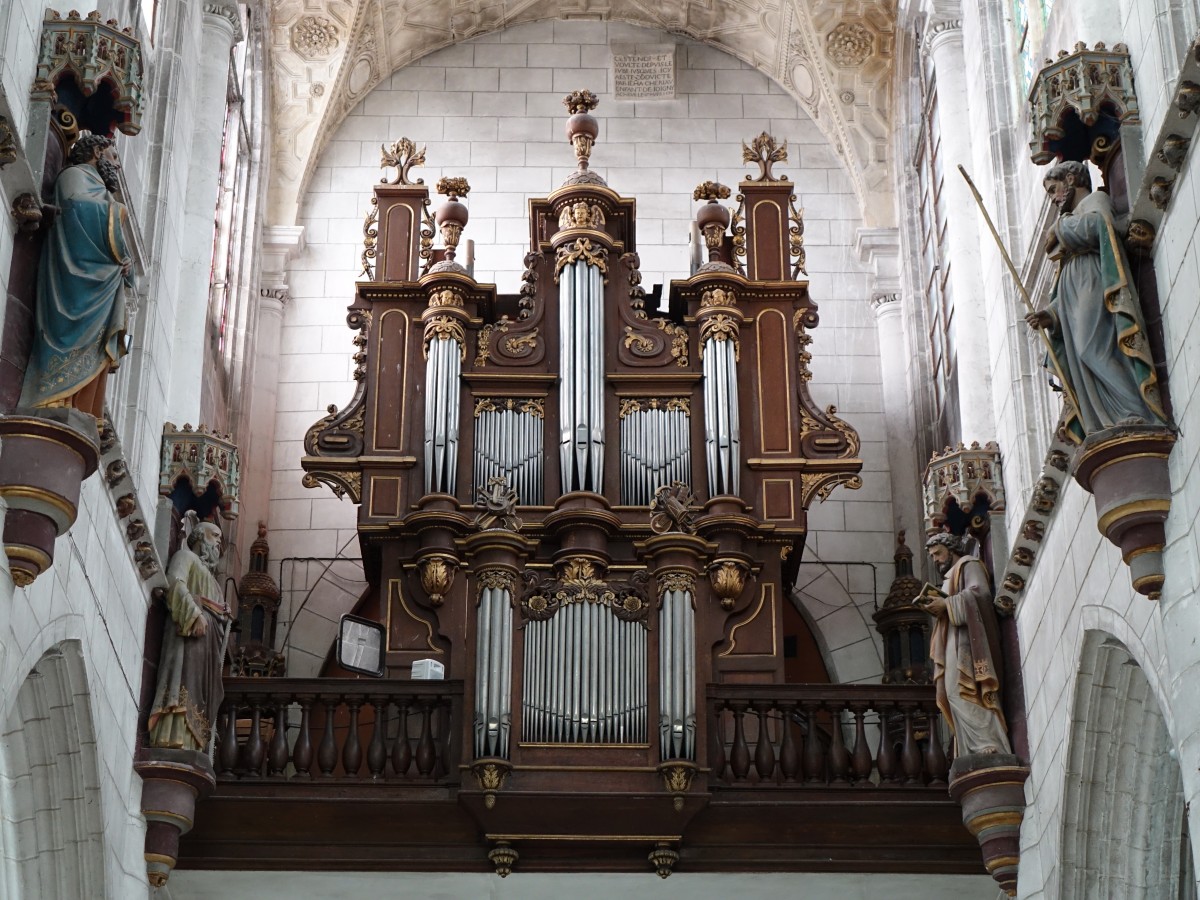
(586, 598)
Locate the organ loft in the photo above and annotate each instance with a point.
(588, 502)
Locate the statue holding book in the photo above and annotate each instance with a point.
(965, 649)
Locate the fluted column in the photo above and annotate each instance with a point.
(943, 42)
(220, 30)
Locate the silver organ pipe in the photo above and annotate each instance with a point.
(443, 369)
(722, 441)
(676, 676)
(581, 372)
(585, 679)
(493, 673)
(509, 442)
(655, 449)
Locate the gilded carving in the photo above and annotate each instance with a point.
(764, 151)
(728, 578)
(637, 342)
(673, 509)
(670, 404)
(497, 505)
(534, 406)
(437, 576)
(581, 215)
(799, 257)
(581, 249)
(442, 297)
(522, 343)
(721, 327)
(401, 155)
(718, 296)
(684, 582)
(679, 340)
(579, 579)
(444, 328)
(495, 580)
(370, 239)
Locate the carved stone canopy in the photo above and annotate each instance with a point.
(963, 483)
(1079, 102)
(206, 460)
(93, 53)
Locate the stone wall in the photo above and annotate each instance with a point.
(490, 109)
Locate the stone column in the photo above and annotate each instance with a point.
(879, 250)
(280, 244)
(220, 30)
(943, 42)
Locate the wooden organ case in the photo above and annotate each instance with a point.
(587, 506)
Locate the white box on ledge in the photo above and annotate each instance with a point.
(428, 670)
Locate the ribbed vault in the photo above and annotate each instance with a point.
(834, 56)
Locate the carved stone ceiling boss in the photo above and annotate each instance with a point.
(835, 57)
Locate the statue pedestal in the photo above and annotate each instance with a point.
(990, 788)
(47, 455)
(1125, 468)
(172, 782)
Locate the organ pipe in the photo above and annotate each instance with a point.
(676, 675)
(493, 673)
(722, 441)
(443, 369)
(581, 369)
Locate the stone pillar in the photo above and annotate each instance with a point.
(943, 42)
(221, 29)
(879, 250)
(280, 244)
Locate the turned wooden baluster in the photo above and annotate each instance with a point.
(227, 753)
(764, 753)
(302, 753)
(716, 740)
(376, 752)
(814, 754)
(839, 756)
(327, 751)
(426, 754)
(442, 744)
(402, 749)
(252, 752)
(910, 754)
(860, 759)
(277, 755)
(739, 758)
(789, 756)
(886, 760)
(936, 765)
(352, 749)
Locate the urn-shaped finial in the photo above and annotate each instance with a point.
(582, 129)
(451, 216)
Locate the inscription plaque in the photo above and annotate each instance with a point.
(644, 72)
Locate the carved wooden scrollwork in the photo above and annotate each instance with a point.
(581, 580)
(645, 341)
(516, 342)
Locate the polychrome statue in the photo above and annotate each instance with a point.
(1094, 320)
(82, 280)
(189, 689)
(965, 649)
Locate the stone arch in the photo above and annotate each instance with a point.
(51, 821)
(838, 620)
(1123, 807)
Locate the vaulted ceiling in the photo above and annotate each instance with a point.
(836, 57)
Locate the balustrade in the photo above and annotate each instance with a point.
(277, 728)
(824, 735)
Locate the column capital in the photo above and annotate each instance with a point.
(885, 304)
(224, 14)
(280, 245)
(939, 34)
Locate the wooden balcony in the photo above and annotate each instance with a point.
(353, 775)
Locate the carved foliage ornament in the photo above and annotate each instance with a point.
(314, 37)
(581, 249)
(96, 53)
(581, 580)
(437, 576)
(670, 404)
(401, 155)
(444, 328)
(764, 151)
(720, 327)
(534, 406)
(728, 578)
(849, 44)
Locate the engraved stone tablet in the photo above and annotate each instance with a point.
(644, 72)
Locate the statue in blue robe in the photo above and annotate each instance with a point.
(82, 281)
(1094, 320)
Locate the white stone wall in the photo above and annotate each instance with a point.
(490, 109)
(1080, 583)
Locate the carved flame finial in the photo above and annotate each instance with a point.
(401, 155)
(712, 191)
(764, 151)
(453, 188)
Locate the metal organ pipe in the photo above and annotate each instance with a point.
(655, 450)
(581, 368)
(676, 673)
(493, 673)
(721, 424)
(443, 369)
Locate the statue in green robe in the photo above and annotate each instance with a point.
(190, 690)
(83, 277)
(1094, 320)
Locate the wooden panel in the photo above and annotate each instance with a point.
(778, 500)
(755, 634)
(407, 625)
(775, 399)
(385, 497)
(769, 233)
(391, 379)
(398, 237)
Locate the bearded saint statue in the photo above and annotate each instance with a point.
(190, 690)
(965, 649)
(83, 277)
